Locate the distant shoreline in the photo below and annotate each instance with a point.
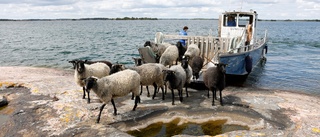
(145, 18)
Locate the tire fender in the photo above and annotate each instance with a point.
(248, 61)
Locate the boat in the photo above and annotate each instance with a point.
(240, 45)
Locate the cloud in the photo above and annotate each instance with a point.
(267, 9)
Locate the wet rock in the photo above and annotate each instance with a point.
(45, 108)
(3, 101)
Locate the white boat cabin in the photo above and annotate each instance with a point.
(238, 24)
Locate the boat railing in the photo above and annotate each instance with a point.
(209, 46)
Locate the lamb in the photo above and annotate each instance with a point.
(187, 68)
(83, 71)
(214, 79)
(116, 85)
(151, 74)
(176, 77)
(192, 51)
(196, 64)
(170, 55)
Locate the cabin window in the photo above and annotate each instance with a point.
(245, 20)
(230, 20)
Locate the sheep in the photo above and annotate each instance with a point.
(187, 68)
(170, 55)
(158, 49)
(181, 50)
(196, 64)
(83, 70)
(214, 79)
(176, 77)
(91, 62)
(192, 51)
(116, 68)
(116, 85)
(151, 74)
(138, 62)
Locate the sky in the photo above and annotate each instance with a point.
(75, 9)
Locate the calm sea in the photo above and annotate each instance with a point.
(293, 59)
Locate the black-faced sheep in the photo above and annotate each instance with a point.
(116, 68)
(181, 50)
(158, 49)
(187, 68)
(214, 79)
(196, 64)
(83, 71)
(176, 77)
(151, 74)
(116, 85)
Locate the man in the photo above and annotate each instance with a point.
(184, 33)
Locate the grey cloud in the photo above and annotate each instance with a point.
(40, 2)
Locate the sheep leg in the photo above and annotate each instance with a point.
(215, 94)
(84, 92)
(148, 91)
(172, 96)
(114, 107)
(101, 108)
(221, 98)
(162, 92)
(141, 90)
(155, 90)
(132, 97)
(213, 97)
(186, 90)
(136, 103)
(180, 95)
(165, 86)
(88, 91)
(208, 93)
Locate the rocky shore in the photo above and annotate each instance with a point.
(47, 102)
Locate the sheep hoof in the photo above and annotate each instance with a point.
(114, 114)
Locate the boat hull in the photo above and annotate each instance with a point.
(243, 63)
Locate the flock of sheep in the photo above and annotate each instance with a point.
(177, 66)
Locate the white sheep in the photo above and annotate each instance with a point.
(170, 55)
(116, 85)
(176, 77)
(214, 79)
(83, 71)
(151, 74)
(192, 51)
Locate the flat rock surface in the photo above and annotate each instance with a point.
(47, 102)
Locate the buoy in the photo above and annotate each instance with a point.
(248, 61)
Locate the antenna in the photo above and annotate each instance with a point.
(241, 5)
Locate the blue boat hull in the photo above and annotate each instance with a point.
(243, 63)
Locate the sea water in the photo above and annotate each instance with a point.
(293, 59)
